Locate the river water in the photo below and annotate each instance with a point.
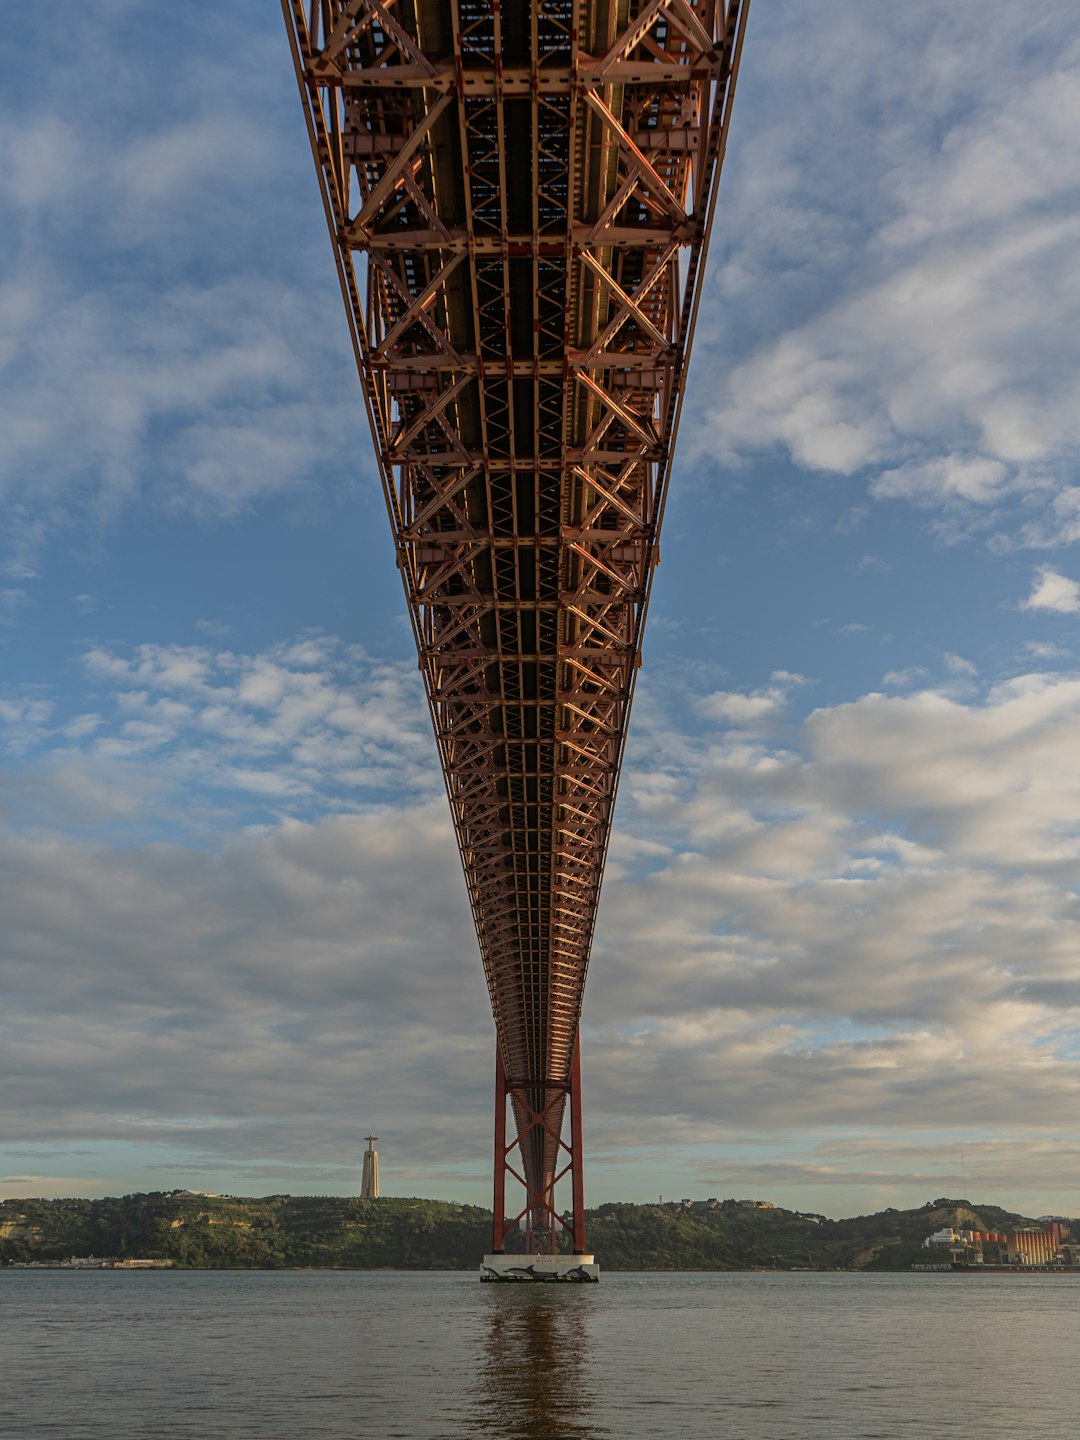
(392, 1356)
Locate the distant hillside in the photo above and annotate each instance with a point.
(219, 1232)
(893, 1239)
(737, 1236)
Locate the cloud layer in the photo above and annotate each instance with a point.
(898, 293)
(168, 351)
(184, 735)
(860, 922)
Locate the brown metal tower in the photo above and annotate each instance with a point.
(520, 194)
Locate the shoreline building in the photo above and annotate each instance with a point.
(369, 1185)
(1045, 1244)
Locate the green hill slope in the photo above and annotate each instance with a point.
(214, 1232)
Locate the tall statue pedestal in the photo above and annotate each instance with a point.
(567, 1269)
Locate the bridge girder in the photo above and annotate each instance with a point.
(520, 196)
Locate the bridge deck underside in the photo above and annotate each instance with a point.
(520, 196)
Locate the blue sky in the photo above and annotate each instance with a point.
(839, 936)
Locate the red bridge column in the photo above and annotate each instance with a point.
(542, 1222)
(498, 1233)
(577, 1157)
(539, 1210)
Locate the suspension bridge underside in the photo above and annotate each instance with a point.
(520, 193)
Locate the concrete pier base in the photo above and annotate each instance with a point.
(572, 1269)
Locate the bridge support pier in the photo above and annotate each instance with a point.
(543, 1222)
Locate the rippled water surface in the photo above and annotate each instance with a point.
(340, 1356)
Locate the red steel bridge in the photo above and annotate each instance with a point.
(520, 194)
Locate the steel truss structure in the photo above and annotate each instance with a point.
(520, 194)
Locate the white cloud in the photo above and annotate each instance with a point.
(991, 781)
(972, 478)
(1044, 650)
(1054, 592)
(901, 679)
(905, 300)
(921, 358)
(185, 398)
(200, 737)
(164, 352)
(24, 722)
(742, 709)
(216, 629)
(738, 708)
(1061, 523)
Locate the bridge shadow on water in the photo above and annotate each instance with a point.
(534, 1375)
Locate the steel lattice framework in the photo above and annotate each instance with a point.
(520, 194)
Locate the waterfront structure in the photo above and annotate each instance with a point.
(1045, 1244)
(519, 195)
(369, 1184)
(92, 1262)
